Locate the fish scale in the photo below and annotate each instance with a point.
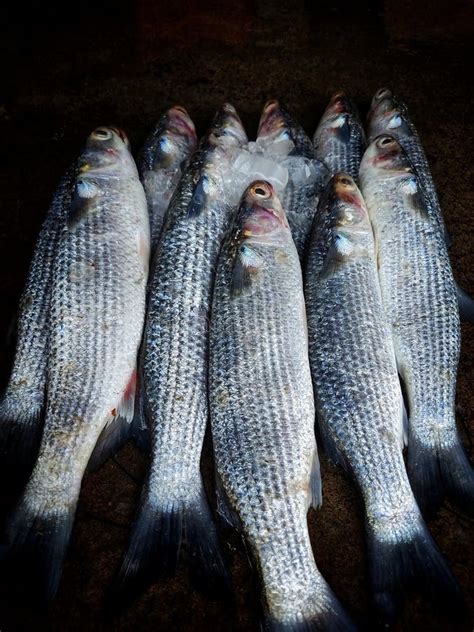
(23, 399)
(96, 317)
(262, 419)
(358, 396)
(174, 507)
(419, 296)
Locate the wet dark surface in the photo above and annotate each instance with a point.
(69, 70)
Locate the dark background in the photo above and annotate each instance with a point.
(69, 67)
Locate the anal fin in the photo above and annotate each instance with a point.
(118, 428)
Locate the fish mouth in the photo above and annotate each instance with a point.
(347, 191)
(338, 103)
(272, 118)
(264, 212)
(181, 119)
(381, 94)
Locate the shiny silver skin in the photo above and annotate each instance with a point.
(339, 139)
(162, 162)
(420, 303)
(388, 115)
(174, 361)
(96, 319)
(262, 411)
(359, 402)
(299, 200)
(22, 402)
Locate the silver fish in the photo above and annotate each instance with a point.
(96, 318)
(174, 363)
(161, 164)
(389, 115)
(419, 297)
(359, 401)
(262, 412)
(339, 139)
(22, 402)
(307, 174)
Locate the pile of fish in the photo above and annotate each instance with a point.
(282, 298)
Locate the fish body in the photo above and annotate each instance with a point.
(96, 317)
(339, 139)
(162, 162)
(359, 402)
(174, 363)
(420, 303)
(389, 115)
(262, 412)
(307, 175)
(22, 402)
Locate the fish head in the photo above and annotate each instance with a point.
(261, 223)
(261, 215)
(387, 115)
(386, 165)
(277, 125)
(336, 120)
(349, 231)
(105, 147)
(386, 154)
(351, 215)
(176, 139)
(226, 128)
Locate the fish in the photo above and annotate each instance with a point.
(174, 512)
(22, 402)
(97, 309)
(162, 162)
(262, 413)
(306, 174)
(420, 303)
(389, 115)
(339, 139)
(359, 402)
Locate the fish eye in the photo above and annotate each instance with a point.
(346, 181)
(383, 92)
(270, 104)
(102, 134)
(179, 108)
(386, 140)
(261, 191)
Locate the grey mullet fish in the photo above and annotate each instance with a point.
(96, 317)
(162, 162)
(22, 402)
(359, 402)
(307, 174)
(262, 413)
(389, 115)
(339, 139)
(174, 363)
(419, 297)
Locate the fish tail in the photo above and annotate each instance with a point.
(403, 556)
(440, 470)
(326, 614)
(162, 529)
(465, 304)
(40, 539)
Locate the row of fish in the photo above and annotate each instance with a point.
(272, 278)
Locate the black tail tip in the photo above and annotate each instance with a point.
(438, 472)
(159, 538)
